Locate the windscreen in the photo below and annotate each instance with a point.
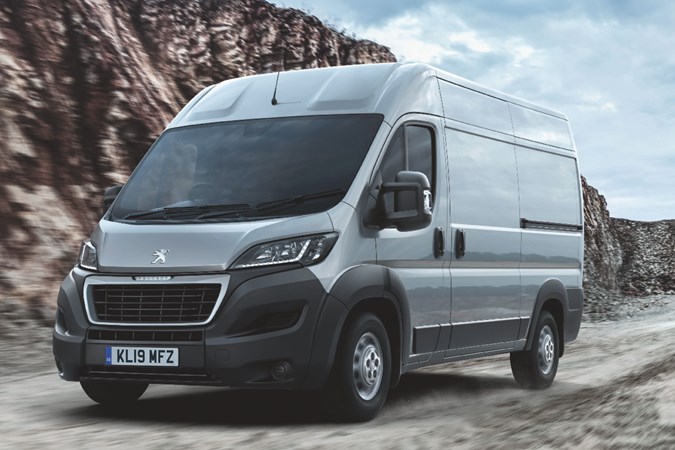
(248, 169)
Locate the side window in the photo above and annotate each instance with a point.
(412, 148)
(420, 147)
(394, 158)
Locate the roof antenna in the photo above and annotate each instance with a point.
(276, 83)
(274, 96)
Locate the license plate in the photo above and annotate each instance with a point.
(141, 356)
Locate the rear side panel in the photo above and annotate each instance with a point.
(516, 204)
(551, 221)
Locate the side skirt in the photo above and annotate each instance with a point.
(446, 356)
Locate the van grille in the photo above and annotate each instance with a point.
(154, 303)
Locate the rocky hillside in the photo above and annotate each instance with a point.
(648, 256)
(625, 256)
(603, 252)
(87, 85)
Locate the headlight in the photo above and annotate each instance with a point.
(305, 250)
(87, 258)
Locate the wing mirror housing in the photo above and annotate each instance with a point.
(109, 196)
(407, 202)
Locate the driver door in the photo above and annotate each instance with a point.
(413, 256)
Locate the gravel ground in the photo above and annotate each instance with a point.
(615, 389)
(25, 338)
(602, 305)
(22, 326)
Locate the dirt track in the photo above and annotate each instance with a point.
(615, 389)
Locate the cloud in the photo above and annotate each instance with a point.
(340, 12)
(405, 35)
(608, 65)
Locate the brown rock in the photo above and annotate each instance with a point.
(86, 86)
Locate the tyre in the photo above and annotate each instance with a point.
(359, 382)
(113, 394)
(536, 368)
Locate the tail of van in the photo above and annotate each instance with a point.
(332, 229)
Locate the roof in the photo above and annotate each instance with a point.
(332, 90)
(391, 89)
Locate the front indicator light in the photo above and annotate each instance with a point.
(87, 258)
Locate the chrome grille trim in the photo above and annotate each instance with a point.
(98, 280)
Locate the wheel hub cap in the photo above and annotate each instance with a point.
(546, 350)
(367, 366)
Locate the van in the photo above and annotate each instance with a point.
(332, 229)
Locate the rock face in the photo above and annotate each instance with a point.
(87, 85)
(603, 254)
(649, 256)
(626, 256)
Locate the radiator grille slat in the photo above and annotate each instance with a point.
(153, 303)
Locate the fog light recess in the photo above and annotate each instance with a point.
(282, 371)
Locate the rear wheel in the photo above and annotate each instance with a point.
(357, 387)
(536, 368)
(113, 394)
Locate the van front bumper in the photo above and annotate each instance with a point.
(273, 330)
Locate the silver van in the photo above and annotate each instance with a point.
(331, 229)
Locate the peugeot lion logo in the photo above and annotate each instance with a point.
(160, 255)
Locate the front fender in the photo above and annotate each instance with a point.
(358, 284)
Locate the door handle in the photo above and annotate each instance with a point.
(460, 243)
(439, 242)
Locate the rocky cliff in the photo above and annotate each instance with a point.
(648, 263)
(625, 256)
(87, 85)
(603, 255)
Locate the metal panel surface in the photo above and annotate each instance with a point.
(483, 180)
(549, 187)
(540, 127)
(475, 108)
(124, 247)
(484, 210)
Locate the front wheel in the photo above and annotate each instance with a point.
(357, 387)
(109, 393)
(536, 368)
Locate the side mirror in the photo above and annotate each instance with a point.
(410, 208)
(109, 196)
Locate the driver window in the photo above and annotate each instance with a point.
(394, 158)
(412, 148)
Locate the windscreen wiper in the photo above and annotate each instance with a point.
(298, 199)
(168, 212)
(290, 201)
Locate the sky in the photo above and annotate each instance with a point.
(608, 65)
